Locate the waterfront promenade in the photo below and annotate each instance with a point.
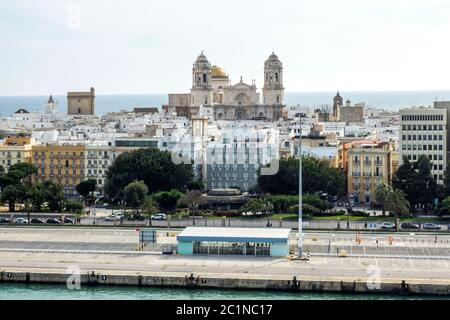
(113, 252)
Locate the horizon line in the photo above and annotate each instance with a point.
(287, 92)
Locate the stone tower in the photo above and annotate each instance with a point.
(337, 103)
(273, 90)
(201, 92)
(81, 103)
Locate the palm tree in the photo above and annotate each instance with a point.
(397, 203)
(382, 194)
(149, 208)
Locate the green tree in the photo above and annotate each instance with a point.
(254, 205)
(53, 194)
(416, 181)
(381, 194)
(135, 193)
(85, 188)
(397, 204)
(152, 166)
(36, 196)
(20, 171)
(74, 206)
(149, 208)
(13, 194)
(192, 200)
(318, 175)
(167, 200)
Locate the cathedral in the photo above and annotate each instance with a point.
(213, 90)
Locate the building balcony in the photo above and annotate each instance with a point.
(356, 174)
(378, 174)
(367, 163)
(367, 174)
(378, 163)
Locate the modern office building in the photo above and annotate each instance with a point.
(423, 131)
(234, 241)
(234, 160)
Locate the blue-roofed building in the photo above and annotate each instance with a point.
(234, 241)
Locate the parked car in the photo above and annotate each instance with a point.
(431, 226)
(448, 227)
(114, 217)
(68, 221)
(5, 220)
(37, 221)
(53, 221)
(388, 225)
(159, 216)
(134, 217)
(409, 225)
(21, 221)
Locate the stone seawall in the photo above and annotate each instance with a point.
(194, 281)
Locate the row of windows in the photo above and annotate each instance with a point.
(423, 117)
(52, 154)
(422, 127)
(415, 157)
(106, 162)
(430, 137)
(8, 162)
(67, 172)
(9, 154)
(429, 147)
(95, 172)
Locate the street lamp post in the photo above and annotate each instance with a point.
(300, 191)
(95, 211)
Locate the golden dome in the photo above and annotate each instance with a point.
(218, 72)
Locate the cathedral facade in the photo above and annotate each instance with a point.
(212, 88)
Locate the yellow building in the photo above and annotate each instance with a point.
(15, 150)
(370, 164)
(60, 163)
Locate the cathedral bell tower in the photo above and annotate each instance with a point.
(201, 92)
(273, 90)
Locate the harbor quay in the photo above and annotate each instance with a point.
(110, 257)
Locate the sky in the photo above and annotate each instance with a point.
(148, 46)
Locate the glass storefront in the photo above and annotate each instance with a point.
(231, 248)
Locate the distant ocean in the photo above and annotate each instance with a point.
(388, 100)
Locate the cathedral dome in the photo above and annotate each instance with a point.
(218, 72)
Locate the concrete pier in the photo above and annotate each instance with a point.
(300, 284)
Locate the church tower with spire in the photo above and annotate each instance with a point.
(201, 92)
(51, 106)
(273, 90)
(337, 103)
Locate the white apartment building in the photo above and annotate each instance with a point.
(235, 158)
(423, 131)
(98, 159)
